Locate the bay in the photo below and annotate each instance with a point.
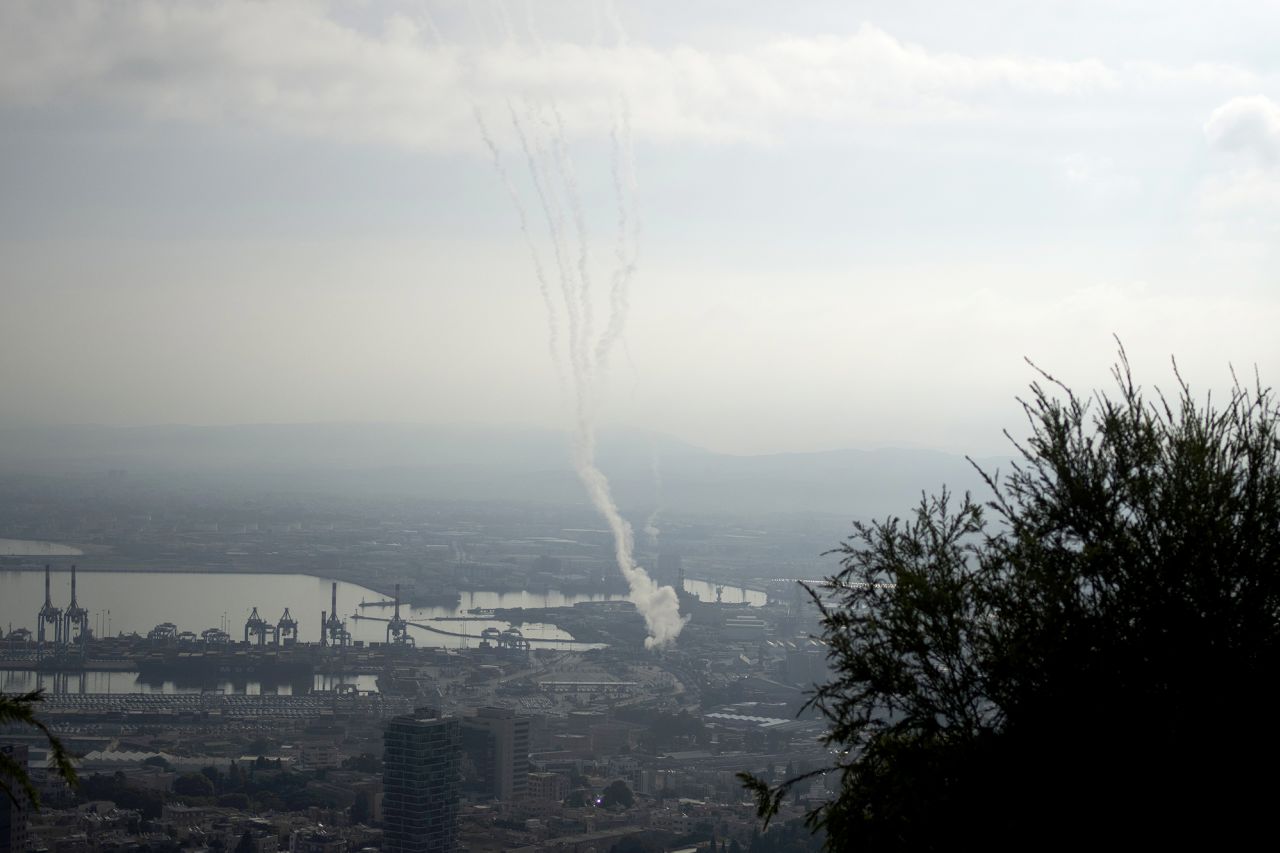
(135, 602)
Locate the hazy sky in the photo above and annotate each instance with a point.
(856, 218)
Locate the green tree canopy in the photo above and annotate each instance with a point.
(1087, 655)
(193, 785)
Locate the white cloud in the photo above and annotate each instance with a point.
(1237, 205)
(1250, 123)
(295, 67)
(1098, 177)
(1247, 193)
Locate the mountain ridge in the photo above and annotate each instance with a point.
(496, 463)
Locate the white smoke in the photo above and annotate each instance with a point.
(542, 138)
(627, 250)
(553, 331)
(658, 604)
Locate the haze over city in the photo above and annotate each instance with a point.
(722, 426)
(855, 219)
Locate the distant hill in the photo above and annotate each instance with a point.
(484, 463)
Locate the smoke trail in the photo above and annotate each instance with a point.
(569, 181)
(546, 154)
(504, 19)
(553, 328)
(550, 211)
(429, 22)
(659, 605)
(623, 167)
(615, 20)
(544, 289)
(622, 162)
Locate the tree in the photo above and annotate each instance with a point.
(117, 789)
(362, 808)
(617, 793)
(365, 762)
(193, 785)
(213, 774)
(1090, 650)
(633, 844)
(235, 800)
(14, 780)
(246, 843)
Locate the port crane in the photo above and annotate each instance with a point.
(48, 615)
(258, 627)
(397, 628)
(333, 631)
(286, 628)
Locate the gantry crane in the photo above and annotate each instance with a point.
(49, 615)
(286, 628)
(75, 621)
(260, 628)
(397, 628)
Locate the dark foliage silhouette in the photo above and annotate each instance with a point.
(15, 782)
(1087, 657)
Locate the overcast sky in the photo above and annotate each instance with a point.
(855, 219)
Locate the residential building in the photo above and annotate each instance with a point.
(15, 836)
(496, 741)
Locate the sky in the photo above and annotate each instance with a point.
(849, 223)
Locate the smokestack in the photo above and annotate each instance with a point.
(334, 610)
(48, 601)
(324, 627)
(397, 601)
(73, 584)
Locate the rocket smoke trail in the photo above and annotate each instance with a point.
(542, 140)
(623, 167)
(624, 183)
(535, 156)
(553, 332)
(544, 289)
(564, 167)
(658, 604)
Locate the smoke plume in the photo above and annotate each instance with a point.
(540, 132)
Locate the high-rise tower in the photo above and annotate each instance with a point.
(497, 740)
(421, 781)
